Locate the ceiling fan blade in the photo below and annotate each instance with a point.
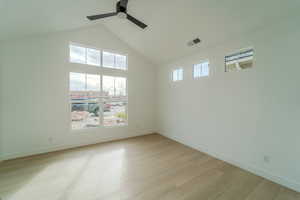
(95, 17)
(136, 21)
(124, 3)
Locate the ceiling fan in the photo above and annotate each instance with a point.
(121, 11)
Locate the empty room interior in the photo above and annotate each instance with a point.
(149, 100)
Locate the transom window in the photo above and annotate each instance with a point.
(201, 69)
(114, 61)
(91, 56)
(83, 55)
(177, 74)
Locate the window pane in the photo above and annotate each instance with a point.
(121, 62)
(93, 57)
(77, 82)
(114, 113)
(93, 87)
(197, 70)
(239, 61)
(205, 69)
(77, 54)
(175, 75)
(108, 60)
(85, 115)
(108, 86)
(120, 86)
(93, 82)
(201, 69)
(180, 74)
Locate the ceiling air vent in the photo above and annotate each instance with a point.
(193, 42)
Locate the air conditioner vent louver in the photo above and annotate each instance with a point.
(194, 42)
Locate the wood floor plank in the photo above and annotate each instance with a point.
(143, 168)
(265, 190)
(286, 194)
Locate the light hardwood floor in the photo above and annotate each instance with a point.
(147, 167)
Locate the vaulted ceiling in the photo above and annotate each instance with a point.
(172, 23)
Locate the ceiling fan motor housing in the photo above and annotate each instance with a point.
(121, 8)
(121, 12)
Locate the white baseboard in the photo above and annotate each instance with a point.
(63, 147)
(294, 185)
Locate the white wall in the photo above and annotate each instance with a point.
(34, 88)
(241, 117)
(1, 100)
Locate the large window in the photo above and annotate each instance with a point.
(177, 74)
(239, 61)
(97, 100)
(93, 105)
(201, 69)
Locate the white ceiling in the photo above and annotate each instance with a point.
(172, 23)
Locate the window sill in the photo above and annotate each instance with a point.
(95, 128)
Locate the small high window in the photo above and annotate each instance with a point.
(177, 74)
(201, 69)
(239, 61)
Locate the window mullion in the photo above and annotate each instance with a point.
(85, 55)
(201, 73)
(101, 59)
(115, 62)
(115, 87)
(100, 101)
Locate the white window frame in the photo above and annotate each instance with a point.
(115, 53)
(86, 54)
(99, 102)
(201, 66)
(177, 70)
(122, 100)
(238, 54)
(101, 57)
(101, 71)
